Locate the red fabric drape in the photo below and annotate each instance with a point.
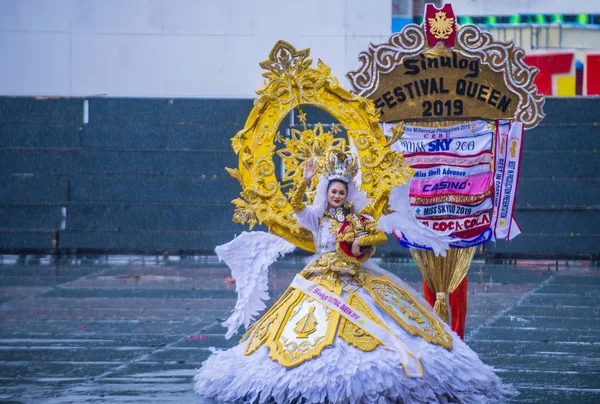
(458, 305)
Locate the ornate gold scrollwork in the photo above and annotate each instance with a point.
(380, 61)
(289, 345)
(505, 57)
(404, 308)
(291, 83)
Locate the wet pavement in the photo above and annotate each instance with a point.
(131, 329)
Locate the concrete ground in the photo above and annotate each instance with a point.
(131, 329)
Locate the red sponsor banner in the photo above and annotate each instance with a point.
(470, 225)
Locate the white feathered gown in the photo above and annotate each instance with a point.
(301, 351)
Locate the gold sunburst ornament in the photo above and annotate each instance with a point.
(302, 146)
(441, 26)
(291, 83)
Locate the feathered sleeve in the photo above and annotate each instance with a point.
(249, 257)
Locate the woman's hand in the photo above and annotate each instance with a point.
(310, 169)
(356, 247)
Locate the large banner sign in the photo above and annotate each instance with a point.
(463, 193)
(455, 101)
(439, 71)
(442, 83)
(454, 194)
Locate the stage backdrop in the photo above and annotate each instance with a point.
(147, 175)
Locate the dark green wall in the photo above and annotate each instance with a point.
(146, 175)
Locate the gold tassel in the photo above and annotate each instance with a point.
(443, 274)
(441, 307)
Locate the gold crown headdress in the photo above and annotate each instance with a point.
(340, 166)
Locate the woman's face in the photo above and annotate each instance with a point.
(336, 194)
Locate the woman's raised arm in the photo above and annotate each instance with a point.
(310, 169)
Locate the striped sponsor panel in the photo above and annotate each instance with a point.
(466, 146)
(460, 224)
(424, 160)
(412, 132)
(451, 209)
(462, 199)
(450, 171)
(473, 185)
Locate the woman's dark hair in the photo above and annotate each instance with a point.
(340, 181)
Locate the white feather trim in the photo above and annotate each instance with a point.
(344, 374)
(404, 221)
(249, 256)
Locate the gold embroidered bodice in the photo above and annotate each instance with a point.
(326, 227)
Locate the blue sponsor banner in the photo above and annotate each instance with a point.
(449, 209)
(457, 243)
(465, 146)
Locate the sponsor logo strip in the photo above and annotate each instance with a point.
(467, 146)
(471, 199)
(463, 199)
(448, 132)
(449, 171)
(472, 232)
(460, 224)
(473, 241)
(447, 159)
(451, 209)
(475, 184)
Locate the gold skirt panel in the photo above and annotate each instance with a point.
(297, 328)
(355, 335)
(407, 311)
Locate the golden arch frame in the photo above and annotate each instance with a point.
(291, 83)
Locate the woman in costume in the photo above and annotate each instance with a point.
(346, 330)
